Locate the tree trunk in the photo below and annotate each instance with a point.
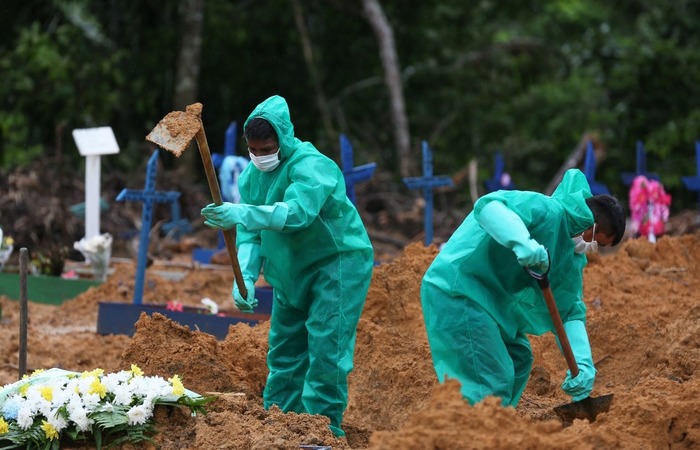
(392, 77)
(188, 68)
(574, 159)
(321, 100)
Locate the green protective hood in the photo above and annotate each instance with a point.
(572, 193)
(276, 111)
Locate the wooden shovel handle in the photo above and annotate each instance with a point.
(559, 327)
(229, 235)
(543, 282)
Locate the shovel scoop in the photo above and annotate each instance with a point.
(589, 407)
(176, 130)
(174, 133)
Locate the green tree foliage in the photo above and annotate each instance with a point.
(50, 83)
(524, 78)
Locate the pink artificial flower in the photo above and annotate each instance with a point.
(649, 206)
(70, 275)
(174, 305)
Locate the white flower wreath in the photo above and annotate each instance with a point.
(40, 410)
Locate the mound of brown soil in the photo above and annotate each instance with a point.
(644, 327)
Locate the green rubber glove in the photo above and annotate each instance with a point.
(508, 229)
(581, 386)
(252, 217)
(251, 262)
(247, 304)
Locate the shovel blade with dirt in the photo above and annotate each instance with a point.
(589, 407)
(174, 133)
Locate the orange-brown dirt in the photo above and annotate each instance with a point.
(644, 326)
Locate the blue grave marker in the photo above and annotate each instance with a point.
(500, 179)
(692, 183)
(628, 177)
(353, 175)
(428, 182)
(148, 196)
(178, 225)
(230, 139)
(589, 167)
(229, 145)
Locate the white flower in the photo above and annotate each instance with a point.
(139, 414)
(36, 402)
(143, 386)
(25, 417)
(91, 400)
(95, 244)
(83, 385)
(97, 252)
(61, 397)
(78, 415)
(122, 394)
(57, 421)
(114, 379)
(211, 305)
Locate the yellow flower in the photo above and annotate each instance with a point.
(37, 372)
(178, 388)
(136, 371)
(96, 387)
(46, 392)
(49, 430)
(4, 427)
(23, 390)
(92, 373)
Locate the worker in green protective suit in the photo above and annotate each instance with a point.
(296, 219)
(479, 304)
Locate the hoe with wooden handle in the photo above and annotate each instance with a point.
(589, 407)
(174, 134)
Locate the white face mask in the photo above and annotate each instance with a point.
(581, 246)
(265, 163)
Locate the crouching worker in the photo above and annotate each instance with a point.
(296, 219)
(479, 304)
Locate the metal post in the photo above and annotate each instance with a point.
(23, 311)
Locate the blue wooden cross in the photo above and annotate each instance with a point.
(230, 139)
(589, 167)
(148, 196)
(353, 175)
(693, 183)
(229, 150)
(628, 177)
(178, 225)
(498, 182)
(428, 182)
(229, 145)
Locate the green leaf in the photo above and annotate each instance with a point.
(113, 419)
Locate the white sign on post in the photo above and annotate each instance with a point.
(92, 143)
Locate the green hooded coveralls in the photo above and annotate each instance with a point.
(479, 303)
(318, 258)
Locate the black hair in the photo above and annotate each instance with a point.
(608, 215)
(259, 129)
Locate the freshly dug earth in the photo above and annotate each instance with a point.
(644, 327)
